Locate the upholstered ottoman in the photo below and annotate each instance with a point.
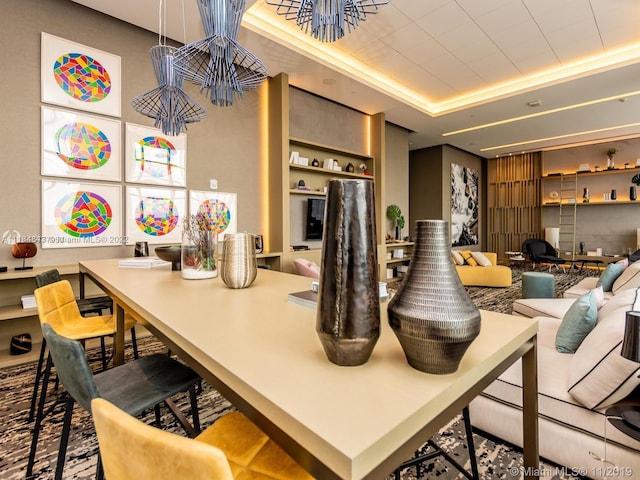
(538, 285)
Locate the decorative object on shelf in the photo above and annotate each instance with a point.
(141, 249)
(20, 344)
(350, 168)
(325, 20)
(632, 193)
(170, 253)
(627, 165)
(585, 196)
(614, 194)
(348, 315)
(582, 251)
(24, 250)
(363, 168)
(198, 249)
(315, 162)
(218, 63)
(610, 161)
(239, 264)
(597, 168)
(395, 214)
(432, 315)
(554, 195)
(259, 241)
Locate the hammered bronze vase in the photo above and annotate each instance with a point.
(348, 314)
(431, 314)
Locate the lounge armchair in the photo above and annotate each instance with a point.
(541, 251)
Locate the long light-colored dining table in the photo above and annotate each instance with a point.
(262, 353)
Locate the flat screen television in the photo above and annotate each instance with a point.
(315, 219)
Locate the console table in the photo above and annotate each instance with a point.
(262, 353)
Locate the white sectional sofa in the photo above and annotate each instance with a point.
(574, 391)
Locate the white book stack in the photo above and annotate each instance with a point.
(28, 301)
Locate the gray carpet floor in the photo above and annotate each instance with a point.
(496, 460)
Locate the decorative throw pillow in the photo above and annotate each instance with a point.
(624, 262)
(468, 258)
(577, 323)
(481, 259)
(457, 258)
(598, 375)
(610, 274)
(629, 278)
(598, 295)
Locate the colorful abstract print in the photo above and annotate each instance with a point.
(82, 146)
(83, 214)
(154, 155)
(82, 77)
(217, 213)
(156, 216)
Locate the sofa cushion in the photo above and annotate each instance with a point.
(629, 278)
(457, 258)
(468, 258)
(542, 307)
(582, 287)
(481, 259)
(598, 375)
(610, 274)
(577, 323)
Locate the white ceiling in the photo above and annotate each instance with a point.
(438, 66)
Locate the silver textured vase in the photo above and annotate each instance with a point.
(239, 264)
(348, 314)
(431, 314)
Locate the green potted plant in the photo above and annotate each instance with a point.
(394, 213)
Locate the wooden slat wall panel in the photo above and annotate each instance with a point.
(514, 212)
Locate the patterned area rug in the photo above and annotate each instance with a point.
(495, 460)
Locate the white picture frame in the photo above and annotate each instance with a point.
(78, 76)
(220, 208)
(154, 214)
(81, 214)
(155, 158)
(77, 145)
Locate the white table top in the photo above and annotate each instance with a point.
(266, 351)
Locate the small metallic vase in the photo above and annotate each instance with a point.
(432, 315)
(239, 264)
(348, 315)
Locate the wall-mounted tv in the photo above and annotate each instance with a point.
(315, 219)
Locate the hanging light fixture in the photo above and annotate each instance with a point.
(168, 104)
(326, 19)
(218, 62)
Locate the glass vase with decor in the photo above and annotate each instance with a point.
(199, 247)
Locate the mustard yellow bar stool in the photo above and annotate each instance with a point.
(232, 448)
(57, 306)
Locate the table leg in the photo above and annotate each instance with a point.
(530, 413)
(81, 282)
(118, 338)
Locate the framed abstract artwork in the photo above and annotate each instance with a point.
(77, 76)
(154, 215)
(220, 209)
(79, 214)
(464, 206)
(154, 158)
(80, 146)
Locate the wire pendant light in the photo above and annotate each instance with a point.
(325, 20)
(170, 107)
(221, 66)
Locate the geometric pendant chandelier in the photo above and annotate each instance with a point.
(218, 63)
(170, 107)
(325, 20)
